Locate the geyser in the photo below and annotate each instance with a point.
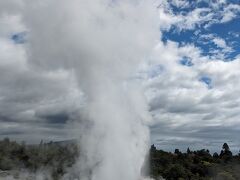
(102, 42)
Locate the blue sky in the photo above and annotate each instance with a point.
(229, 31)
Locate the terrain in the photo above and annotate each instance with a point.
(54, 159)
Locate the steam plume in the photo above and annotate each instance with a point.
(102, 42)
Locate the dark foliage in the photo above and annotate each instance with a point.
(58, 157)
(194, 165)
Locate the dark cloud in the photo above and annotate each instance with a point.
(56, 118)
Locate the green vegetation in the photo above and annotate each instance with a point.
(194, 165)
(53, 157)
(56, 158)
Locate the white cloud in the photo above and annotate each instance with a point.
(182, 22)
(221, 43)
(178, 99)
(181, 3)
(222, 47)
(24, 90)
(230, 12)
(11, 7)
(216, 13)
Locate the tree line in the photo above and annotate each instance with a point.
(194, 165)
(57, 158)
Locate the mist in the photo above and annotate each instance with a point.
(101, 43)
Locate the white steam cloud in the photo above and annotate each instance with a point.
(102, 42)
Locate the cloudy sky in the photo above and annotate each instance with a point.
(191, 78)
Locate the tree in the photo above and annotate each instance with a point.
(176, 171)
(177, 151)
(226, 154)
(153, 148)
(215, 155)
(225, 147)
